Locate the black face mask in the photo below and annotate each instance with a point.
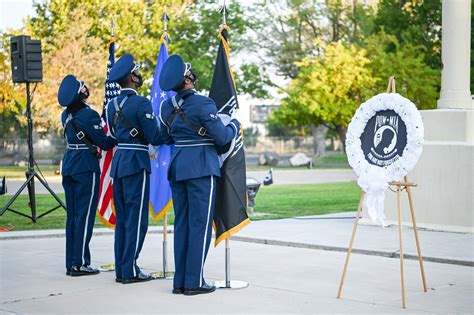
(191, 76)
(140, 79)
(83, 96)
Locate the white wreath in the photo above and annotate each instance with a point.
(374, 179)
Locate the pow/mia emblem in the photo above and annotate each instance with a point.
(150, 116)
(384, 138)
(213, 116)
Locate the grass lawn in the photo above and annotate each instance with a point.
(288, 201)
(277, 201)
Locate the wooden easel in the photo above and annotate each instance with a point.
(399, 186)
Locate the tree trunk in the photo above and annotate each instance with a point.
(319, 139)
(341, 132)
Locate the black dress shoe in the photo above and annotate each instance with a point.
(118, 280)
(178, 290)
(68, 272)
(83, 271)
(142, 277)
(206, 288)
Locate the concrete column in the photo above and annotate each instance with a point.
(455, 54)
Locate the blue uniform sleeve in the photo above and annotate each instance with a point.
(149, 123)
(215, 128)
(164, 128)
(95, 132)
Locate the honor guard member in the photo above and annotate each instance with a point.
(81, 172)
(191, 122)
(134, 125)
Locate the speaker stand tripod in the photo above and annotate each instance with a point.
(31, 173)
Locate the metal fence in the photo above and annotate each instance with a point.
(47, 150)
(280, 145)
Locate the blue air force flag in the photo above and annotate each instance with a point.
(160, 190)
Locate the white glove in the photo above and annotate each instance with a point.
(153, 152)
(237, 115)
(225, 118)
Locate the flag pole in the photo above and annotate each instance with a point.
(227, 283)
(224, 13)
(165, 274)
(109, 267)
(112, 26)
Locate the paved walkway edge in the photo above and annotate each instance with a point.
(158, 230)
(355, 251)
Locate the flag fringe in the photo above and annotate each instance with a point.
(163, 40)
(162, 212)
(104, 221)
(231, 232)
(226, 48)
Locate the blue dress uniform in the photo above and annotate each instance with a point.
(134, 125)
(194, 167)
(81, 173)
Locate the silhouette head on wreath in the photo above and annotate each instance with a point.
(385, 142)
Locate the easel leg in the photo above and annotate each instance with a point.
(401, 245)
(415, 229)
(349, 250)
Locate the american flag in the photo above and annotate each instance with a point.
(105, 207)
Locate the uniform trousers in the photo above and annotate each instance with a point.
(131, 200)
(193, 201)
(81, 192)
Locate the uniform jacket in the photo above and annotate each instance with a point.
(194, 155)
(78, 158)
(132, 154)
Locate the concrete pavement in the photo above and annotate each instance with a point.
(282, 280)
(333, 232)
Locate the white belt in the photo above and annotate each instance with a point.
(194, 145)
(132, 146)
(78, 146)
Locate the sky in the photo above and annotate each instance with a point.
(12, 12)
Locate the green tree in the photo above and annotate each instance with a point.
(414, 79)
(12, 97)
(76, 54)
(75, 36)
(413, 22)
(328, 89)
(289, 29)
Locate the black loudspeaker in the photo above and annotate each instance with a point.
(26, 59)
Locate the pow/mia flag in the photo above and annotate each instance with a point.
(268, 180)
(230, 214)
